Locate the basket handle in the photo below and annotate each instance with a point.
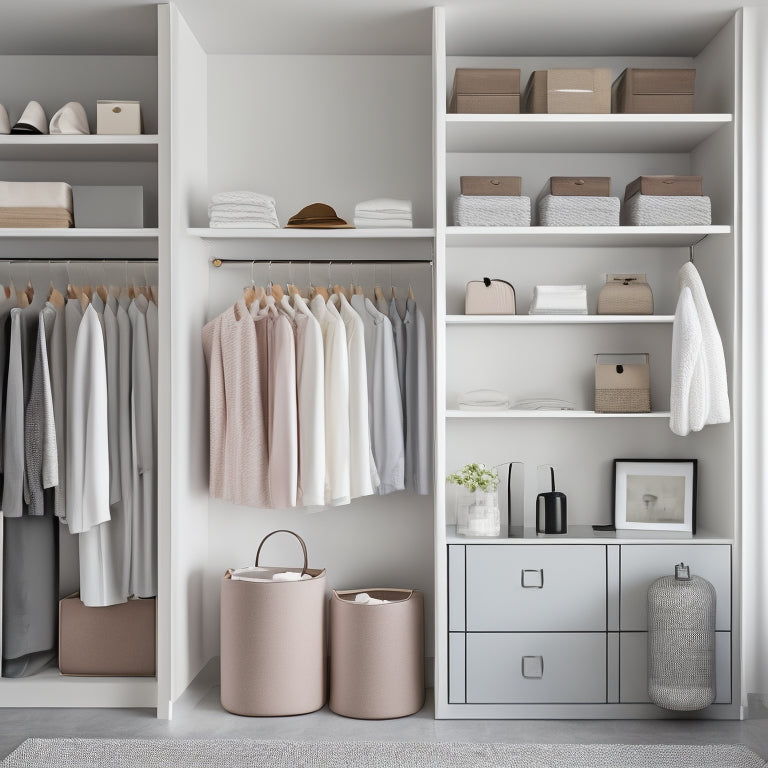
(283, 530)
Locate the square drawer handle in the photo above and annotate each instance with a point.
(532, 667)
(532, 582)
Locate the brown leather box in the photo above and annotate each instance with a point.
(579, 186)
(568, 91)
(494, 186)
(664, 186)
(649, 91)
(113, 641)
(486, 91)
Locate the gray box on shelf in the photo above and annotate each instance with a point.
(108, 207)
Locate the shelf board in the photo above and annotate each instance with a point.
(142, 148)
(73, 233)
(556, 319)
(513, 414)
(580, 133)
(496, 237)
(390, 233)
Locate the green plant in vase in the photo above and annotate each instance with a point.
(480, 518)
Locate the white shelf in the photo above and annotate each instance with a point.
(142, 148)
(580, 133)
(512, 414)
(557, 319)
(73, 233)
(496, 237)
(312, 234)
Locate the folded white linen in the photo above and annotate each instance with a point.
(559, 299)
(382, 223)
(543, 404)
(483, 400)
(240, 208)
(244, 225)
(384, 205)
(382, 215)
(242, 197)
(231, 215)
(35, 194)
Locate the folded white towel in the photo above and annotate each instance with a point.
(35, 194)
(559, 299)
(385, 205)
(235, 215)
(383, 215)
(242, 197)
(239, 224)
(363, 598)
(382, 223)
(700, 362)
(240, 208)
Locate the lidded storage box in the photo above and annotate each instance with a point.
(569, 91)
(625, 295)
(622, 383)
(377, 653)
(486, 91)
(660, 201)
(648, 91)
(273, 639)
(493, 186)
(119, 117)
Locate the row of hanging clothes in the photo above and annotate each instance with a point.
(77, 452)
(318, 396)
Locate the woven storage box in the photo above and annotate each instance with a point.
(625, 295)
(568, 91)
(377, 654)
(565, 211)
(492, 211)
(672, 211)
(113, 640)
(273, 643)
(622, 384)
(654, 91)
(681, 641)
(486, 91)
(496, 186)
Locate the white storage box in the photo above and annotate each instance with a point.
(492, 211)
(118, 117)
(567, 211)
(108, 207)
(668, 211)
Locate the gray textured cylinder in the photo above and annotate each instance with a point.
(681, 643)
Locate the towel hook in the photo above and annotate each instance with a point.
(692, 248)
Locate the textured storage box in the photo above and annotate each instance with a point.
(571, 211)
(273, 644)
(377, 654)
(486, 91)
(649, 91)
(108, 207)
(492, 211)
(116, 640)
(665, 186)
(578, 186)
(625, 295)
(118, 117)
(568, 91)
(495, 186)
(622, 383)
(671, 211)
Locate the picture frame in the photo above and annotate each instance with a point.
(655, 495)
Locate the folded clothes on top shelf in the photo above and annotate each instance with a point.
(384, 212)
(559, 300)
(242, 209)
(38, 204)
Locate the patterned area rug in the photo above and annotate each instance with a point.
(245, 753)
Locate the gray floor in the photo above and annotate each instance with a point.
(201, 716)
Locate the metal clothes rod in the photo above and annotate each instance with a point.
(60, 260)
(330, 262)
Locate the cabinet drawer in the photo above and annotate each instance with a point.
(536, 668)
(641, 565)
(633, 678)
(535, 588)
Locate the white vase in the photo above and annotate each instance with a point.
(479, 517)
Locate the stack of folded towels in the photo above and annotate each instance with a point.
(242, 210)
(39, 204)
(559, 300)
(384, 212)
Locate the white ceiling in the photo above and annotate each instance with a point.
(610, 27)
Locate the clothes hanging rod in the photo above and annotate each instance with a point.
(313, 262)
(60, 260)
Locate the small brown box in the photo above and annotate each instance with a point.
(688, 186)
(649, 91)
(495, 186)
(580, 186)
(568, 91)
(111, 641)
(486, 91)
(622, 383)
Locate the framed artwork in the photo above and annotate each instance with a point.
(655, 495)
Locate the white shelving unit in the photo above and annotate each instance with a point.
(526, 356)
(93, 147)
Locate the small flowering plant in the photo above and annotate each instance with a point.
(476, 476)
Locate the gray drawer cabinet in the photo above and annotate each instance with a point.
(542, 588)
(536, 668)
